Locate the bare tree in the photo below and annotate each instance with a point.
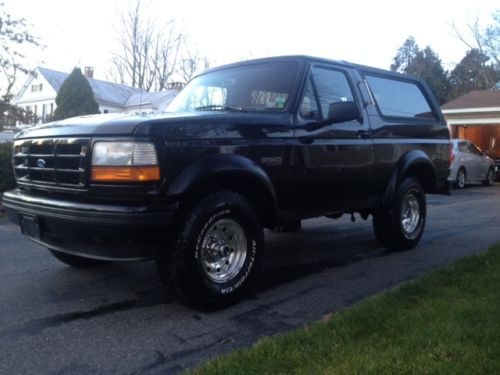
(149, 50)
(484, 39)
(491, 38)
(15, 37)
(191, 64)
(15, 40)
(480, 68)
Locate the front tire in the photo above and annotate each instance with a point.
(490, 178)
(214, 260)
(76, 261)
(401, 226)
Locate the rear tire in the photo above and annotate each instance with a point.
(490, 178)
(76, 261)
(461, 178)
(214, 260)
(401, 226)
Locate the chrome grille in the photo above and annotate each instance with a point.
(57, 162)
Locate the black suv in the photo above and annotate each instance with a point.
(253, 145)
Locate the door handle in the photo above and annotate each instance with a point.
(364, 134)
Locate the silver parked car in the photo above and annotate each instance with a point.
(470, 164)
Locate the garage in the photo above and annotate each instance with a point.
(476, 116)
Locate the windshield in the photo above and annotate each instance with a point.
(259, 87)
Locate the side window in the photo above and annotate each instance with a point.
(309, 106)
(332, 87)
(398, 98)
(462, 146)
(474, 149)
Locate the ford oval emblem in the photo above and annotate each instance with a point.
(40, 163)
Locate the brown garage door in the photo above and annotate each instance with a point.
(486, 136)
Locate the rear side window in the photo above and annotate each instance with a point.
(397, 98)
(463, 147)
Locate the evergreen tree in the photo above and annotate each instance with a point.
(75, 97)
(427, 65)
(405, 55)
(424, 64)
(473, 73)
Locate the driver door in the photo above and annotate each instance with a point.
(334, 163)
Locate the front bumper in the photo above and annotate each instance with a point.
(92, 229)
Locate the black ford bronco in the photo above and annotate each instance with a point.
(253, 145)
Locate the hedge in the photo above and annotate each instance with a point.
(7, 180)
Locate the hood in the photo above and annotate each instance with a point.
(94, 125)
(172, 125)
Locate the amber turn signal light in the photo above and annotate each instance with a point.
(126, 174)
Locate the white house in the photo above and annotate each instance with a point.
(39, 93)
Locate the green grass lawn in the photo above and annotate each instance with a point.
(446, 322)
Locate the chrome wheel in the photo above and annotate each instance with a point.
(223, 250)
(461, 179)
(214, 259)
(401, 226)
(410, 215)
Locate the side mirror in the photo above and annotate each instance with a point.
(337, 112)
(343, 111)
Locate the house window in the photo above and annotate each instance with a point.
(28, 109)
(51, 109)
(37, 88)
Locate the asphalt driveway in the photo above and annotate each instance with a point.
(58, 320)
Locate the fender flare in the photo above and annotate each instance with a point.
(217, 167)
(411, 159)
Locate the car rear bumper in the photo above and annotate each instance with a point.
(443, 187)
(89, 229)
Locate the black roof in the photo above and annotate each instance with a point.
(314, 59)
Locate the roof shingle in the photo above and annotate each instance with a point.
(475, 99)
(109, 92)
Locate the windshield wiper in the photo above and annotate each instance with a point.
(218, 107)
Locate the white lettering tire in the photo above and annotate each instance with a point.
(215, 255)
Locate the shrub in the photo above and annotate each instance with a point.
(7, 180)
(75, 97)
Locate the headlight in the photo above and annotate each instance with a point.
(124, 162)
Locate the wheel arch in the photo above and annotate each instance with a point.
(232, 172)
(414, 163)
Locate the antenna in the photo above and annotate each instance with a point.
(140, 102)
